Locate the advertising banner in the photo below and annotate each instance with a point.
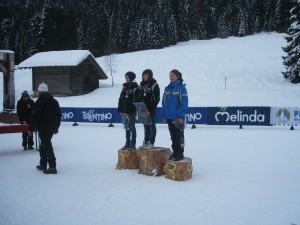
(195, 115)
(285, 115)
(258, 116)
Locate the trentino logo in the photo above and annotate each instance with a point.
(92, 116)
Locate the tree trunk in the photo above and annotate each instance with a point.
(180, 170)
(151, 162)
(127, 160)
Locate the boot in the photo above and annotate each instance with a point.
(177, 158)
(40, 167)
(144, 145)
(50, 171)
(126, 146)
(149, 146)
(132, 147)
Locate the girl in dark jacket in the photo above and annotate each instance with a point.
(150, 95)
(127, 109)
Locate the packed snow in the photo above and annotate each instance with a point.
(241, 176)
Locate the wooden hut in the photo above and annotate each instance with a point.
(66, 73)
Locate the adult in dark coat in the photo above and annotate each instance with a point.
(24, 110)
(46, 119)
(127, 110)
(150, 95)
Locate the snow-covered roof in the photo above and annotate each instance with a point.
(56, 58)
(6, 51)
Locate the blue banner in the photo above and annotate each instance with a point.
(195, 115)
(238, 115)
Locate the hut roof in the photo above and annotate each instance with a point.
(60, 58)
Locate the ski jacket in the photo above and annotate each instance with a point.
(128, 96)
(46, 116)
(150, 94)
(175, 101)
(24, 110)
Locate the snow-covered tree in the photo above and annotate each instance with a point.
(282, 13)
(292, 60)
(270, 20)
(182, 20)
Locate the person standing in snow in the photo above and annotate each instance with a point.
(150, 95)
(46, 119)
(174, 107)
(24, 110)
(127, 110)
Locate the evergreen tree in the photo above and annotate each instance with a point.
(58, 28)
(115, 26)
(33, 41)
(270, 20)
(292, 60)
(282, 13)
(258, 18)
(168, 23)
(243, 18)
(182, 20)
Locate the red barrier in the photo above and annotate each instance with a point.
(14, 128)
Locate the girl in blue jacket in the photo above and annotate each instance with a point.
(174, 107)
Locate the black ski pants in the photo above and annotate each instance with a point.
(177, 137)
(46, 150)
(27, 140)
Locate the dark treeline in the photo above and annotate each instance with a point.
(117, 26)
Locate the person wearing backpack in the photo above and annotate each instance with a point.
(174, 107)
(150, 95)
(127, 110)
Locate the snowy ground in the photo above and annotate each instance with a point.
(241, 177)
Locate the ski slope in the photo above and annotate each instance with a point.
(252, 66)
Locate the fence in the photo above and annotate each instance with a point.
(253, 116)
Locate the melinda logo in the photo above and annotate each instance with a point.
(239, 116)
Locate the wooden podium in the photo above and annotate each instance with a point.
(152, 161)
(179, 170)
(127, 160)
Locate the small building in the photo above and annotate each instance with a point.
(67, 73)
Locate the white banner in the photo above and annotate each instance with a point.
(285, 116)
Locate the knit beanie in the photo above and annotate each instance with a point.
(43, 87)
(131, 75)
(25, 94)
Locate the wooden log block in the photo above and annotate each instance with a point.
(127, 160)
(151, 162)
(179, 170)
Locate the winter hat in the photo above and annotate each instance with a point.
(43, 87)
(25, 94)
(131, 75)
